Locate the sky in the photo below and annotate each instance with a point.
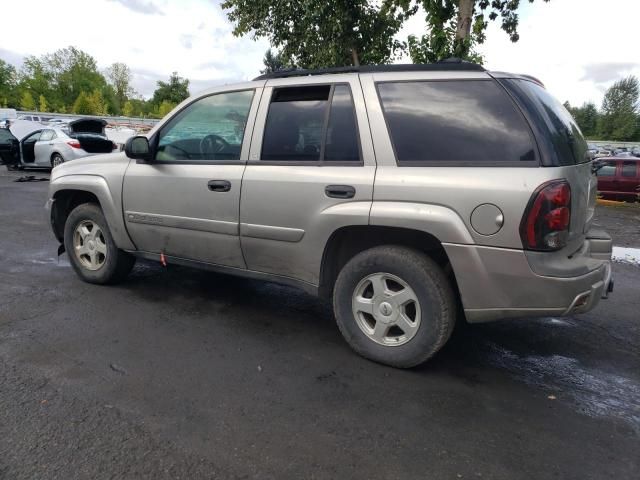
(577, 48)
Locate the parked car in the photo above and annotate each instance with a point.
(7, 115)
(408, 196)
(32, 118)
(52, 146)
(619, 178)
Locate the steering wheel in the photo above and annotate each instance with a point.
(212, 144)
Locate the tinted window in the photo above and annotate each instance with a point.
(342, 136)
(570, 145)
(608, 170)
(46, 135)
(211, 128)
(302, 126)
(33, 137)
(629, 169)
(454, 121)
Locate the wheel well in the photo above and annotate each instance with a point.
(54, 154)
(347, 242)
(65, 202)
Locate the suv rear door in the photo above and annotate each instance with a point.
(310, 171)
(628, 179)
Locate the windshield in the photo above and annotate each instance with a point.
(570, 145)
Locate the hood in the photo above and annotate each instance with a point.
(87, 125)
(101, 165)
(22, 128)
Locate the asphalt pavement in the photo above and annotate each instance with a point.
(180, 373)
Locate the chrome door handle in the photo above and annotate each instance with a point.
(340, 191)
(219, 185)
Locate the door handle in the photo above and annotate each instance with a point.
(51, 144)
(219, 185)
(340, 191)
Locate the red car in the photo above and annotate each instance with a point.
(619, 178)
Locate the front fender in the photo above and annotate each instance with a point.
(110, 203)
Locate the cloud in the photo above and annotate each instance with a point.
(606, 72)
(13, 58)
(186, 41)
(140, 6)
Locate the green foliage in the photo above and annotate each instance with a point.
(42, 104)
(8, 84)
(27, 102)
(322, 34)
(127, 109)
(174, 91)
(445, 39)
(273, 62)
(620, 109)
(165, 107)
(83, 105)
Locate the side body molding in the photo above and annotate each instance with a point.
(441, 222)
(110, 202)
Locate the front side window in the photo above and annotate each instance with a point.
(311, 124)
(211, 128)
(468, 121)
(33, 137)
(629, 169)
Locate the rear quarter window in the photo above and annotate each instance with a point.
(455, 122)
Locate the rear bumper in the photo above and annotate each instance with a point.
(498, 283)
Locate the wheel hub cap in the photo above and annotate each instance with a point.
(386, 309)
(89, 245)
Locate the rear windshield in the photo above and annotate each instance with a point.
(569, 144)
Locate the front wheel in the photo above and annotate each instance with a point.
(394, 305)
(91, 249)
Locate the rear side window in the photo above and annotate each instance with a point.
(458, 121)
(46, 135)
(311, 124)
(629, 169)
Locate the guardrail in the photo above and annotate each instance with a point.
(108, 118)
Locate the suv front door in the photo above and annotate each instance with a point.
(184, 203)
(310, 172)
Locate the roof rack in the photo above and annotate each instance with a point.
(444, 65)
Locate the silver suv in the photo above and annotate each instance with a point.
(410, 196)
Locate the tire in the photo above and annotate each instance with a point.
(431, 305)
(56, 159)
(12, 168)
(91, 249)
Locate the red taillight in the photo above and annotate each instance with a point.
(545, 224)
(73, 143)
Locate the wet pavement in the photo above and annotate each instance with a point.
(179, 373)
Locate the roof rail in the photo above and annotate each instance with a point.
(449, 64)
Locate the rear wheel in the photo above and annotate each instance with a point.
(91, 249)
(56, 159)
(394, 305)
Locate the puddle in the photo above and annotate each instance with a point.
(596, 393)
(626, 255)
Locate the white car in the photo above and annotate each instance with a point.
(51, 146)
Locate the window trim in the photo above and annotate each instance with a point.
(321, 162)
(460, 163)
(154, 140)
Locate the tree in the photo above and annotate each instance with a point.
(174, 91)
(620, 109)
(456, 27)
(27, 103)
(587, 118)
(42, 103)
(127, 110)
(119, 75)
(165, 107)
(83, 105)
(323, 34)
(97, 103)
(8, 84)
(272, 62)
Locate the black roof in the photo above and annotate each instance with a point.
(450, 64)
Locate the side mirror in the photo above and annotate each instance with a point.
(138, 148)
